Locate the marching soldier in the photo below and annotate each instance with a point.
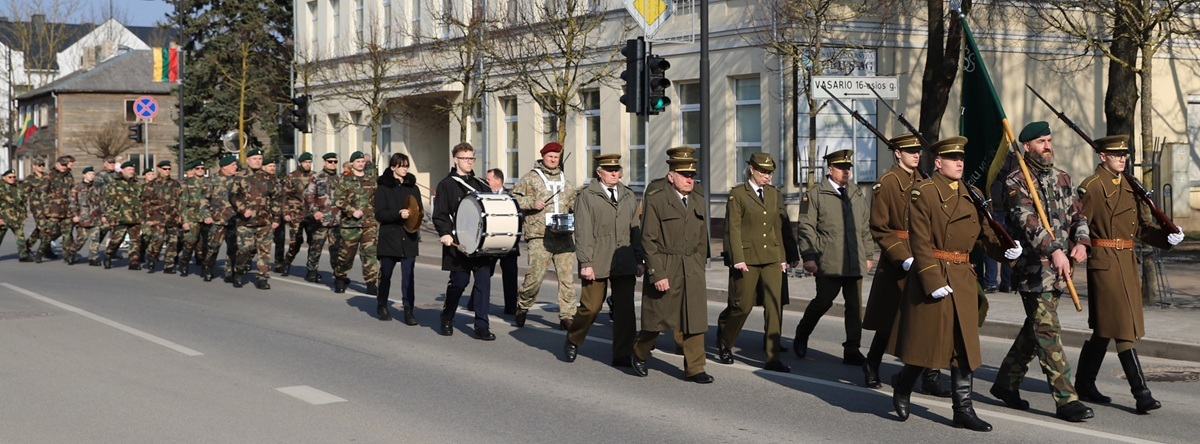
(835, 242)
(679, 152)
(674, 238)
(318, 196)
(160, 210)
(87, 212)
(169, 188)
(105, 176)
(1115, 217)
(354, 196)
(255, 199)
(122, 212)
(889, 229)
(541, 193)
(153, 231)
(1041, 274)
(35, 191)
(938, 324)
(12, 212)
(609, 249)
(56, 212)
(218, 214)
(192, 233)
(754, 244)
(295, 212)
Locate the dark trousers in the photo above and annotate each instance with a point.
(481, 293)
(624, 317)
(508, 268)
(387, 265)
(828, 289)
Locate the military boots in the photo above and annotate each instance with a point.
(964, 409)
(1137, 381)
(1090, 358)
(902, 386)
(237, 280)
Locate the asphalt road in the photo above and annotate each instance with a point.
(93, 355)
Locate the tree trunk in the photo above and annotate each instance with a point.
(1150, 288)
(941, 68)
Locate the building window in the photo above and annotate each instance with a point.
(447, 17)
(385, 137)
(747, 121)
(416, 20)
(837, 130)
(689, 114)
(312, 28)
(591, 116)
(356, 131)
(387, 23)
(358, 23)
(637, 150)
(476, 122)
(335, 139)
(549, 121)
(511, 138)
(513, 14)
(337, 21)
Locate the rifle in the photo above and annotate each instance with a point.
(980, 203)
(1138, 189)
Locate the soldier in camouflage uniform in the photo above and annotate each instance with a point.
(35, 190)
(87, 212)
(122, 211)
(168, 188)
(543, 191)
(255, 198)
(1041, 274)
(12, 212)
(152, 222)
(295, 213)
(105, 176)
(354, 196)
(192, 234)
(319, 199)
(160, 210)
(218, 214)
(56, 214)
(279, 234)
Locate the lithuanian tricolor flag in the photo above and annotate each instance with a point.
(166, 64)
(27, 132)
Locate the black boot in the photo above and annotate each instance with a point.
(372, 289)
(285, 269)
(134, 266)
(237, 280)
(107, 262)
(871, 375)
(339, 284)
(964, 409)
(1091, 355)
(208, 274)
(312, 276)
(383, 313)
(50, 255)
(184, 269)
(931, 386)
(262, 284)
(94, 262)
(37, 258)
(151, 266)
(902, 385)
(1137, 381)
(409, 319)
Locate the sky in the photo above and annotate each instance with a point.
(129, 12)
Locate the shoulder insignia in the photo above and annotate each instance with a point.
(731, 198)
(653, 192)
(915, 194)
(1082, 191)
(876, 187)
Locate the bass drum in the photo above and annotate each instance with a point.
(487, 224)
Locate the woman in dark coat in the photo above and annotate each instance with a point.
(395, 243)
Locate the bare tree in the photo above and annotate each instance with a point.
(106, 140)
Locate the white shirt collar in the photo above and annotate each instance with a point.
(834, 184)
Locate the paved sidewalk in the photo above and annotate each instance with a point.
(1172, 331)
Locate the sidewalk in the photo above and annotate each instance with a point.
(1172, 332)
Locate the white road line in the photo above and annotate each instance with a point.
(310, 395)
(106, 321)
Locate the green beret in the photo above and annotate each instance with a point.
(194, 164)
(9, 173)
(1033, 131)
(165, 163)
(147, 171)
(88, 170)
(271, 160)
(254, 152)
(129, 164)
(228, 160)
(356, 155)
(328, 156)
(304, 157)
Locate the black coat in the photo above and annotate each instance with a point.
(390, 196)
(445, 209)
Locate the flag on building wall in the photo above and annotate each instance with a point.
(982, 120)
(27, 133)
(166, 64)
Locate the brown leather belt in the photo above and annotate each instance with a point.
(1120, 244)
(901, 234)
(951, 256)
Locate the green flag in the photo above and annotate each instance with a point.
(982, 119)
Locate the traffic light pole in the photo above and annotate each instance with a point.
(705, 122)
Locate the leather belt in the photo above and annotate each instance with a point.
(1120, 244)
(951, 256)
(901, 234)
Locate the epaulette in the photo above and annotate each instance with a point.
(653, 192)
(1082, 190)
(1088, 181)
(876, 186)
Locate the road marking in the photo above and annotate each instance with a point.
(106, 321)
(310, 395)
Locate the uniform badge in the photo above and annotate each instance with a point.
(954, 185)
(1082, 191)
(1117, 181)
(876, 187)
(915, 195)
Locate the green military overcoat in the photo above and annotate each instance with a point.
(822, 235)
(674, 238)
(607, 234)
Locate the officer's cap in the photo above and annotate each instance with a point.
(904, 141)
(254, 152)
(328, 156)
(680, 152)
(88, 170)
(609, 161)
(356, 155)
(165, 163)
(129, 164)
(225, 161)
(949, 147)
(1112, 144)
(193, 164)
(270, 160)
(762, 162)
(684, 166)
(840, 157)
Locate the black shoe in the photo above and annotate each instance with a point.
(25, 259)
(871, 376)
(930, 385)
(339, 285)
(701, 378)
(853, 357)
(1011, 398)
(278, 268)
(1137, 381)
(570, 351)
(409, 319)
(1074, 411)
(94, 262)
(37, 258)
(51, 256)
(800, 346)
(107, 262)
(446, 329)
(1004, 289)
(519, 320)
(185, 271)
(902, 385)
(724, 355)
(372, 289)
(134, 266)
(312, 276)
(285, 270)
(237, 280)
(990, 290)
(964, 409)
(208, 274)
(639, 367)
(383, 313)
(483, 334)
(151, 267)
(262, 284)
(622, 361)
(565, 324)
(777, 366)
(1091, 356)
(228, 278)
(169, 270)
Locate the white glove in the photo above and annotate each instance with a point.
(942, 292)
(1014, 252)
(907, 263)
(1175, 238)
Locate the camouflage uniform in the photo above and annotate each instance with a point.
(122, 208)
(161, 215)
(302, 226)
(35, 191)
(56, 215)
(170, 189)
(85, 204)
(104, 178)
(216, 205)
(1038, 281)
(12, 211)
(357, 193)
(544, 246)
(191, 198)
(318, 197)
(255, 191)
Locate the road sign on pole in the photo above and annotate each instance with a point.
(145, 107)
(855, 87)
(650, 14)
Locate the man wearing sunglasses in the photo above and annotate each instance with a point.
(318, 196)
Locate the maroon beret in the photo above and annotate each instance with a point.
(552, 147)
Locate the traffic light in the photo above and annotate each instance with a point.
(300, 113)
(135, 133)
(657, 84)
(634, 76)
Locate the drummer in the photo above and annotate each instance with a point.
(541, 194)
(460, 182)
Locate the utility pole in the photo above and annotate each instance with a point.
(705, 122)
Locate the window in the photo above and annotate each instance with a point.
(385, 136)
(358, 22)
(447, 17)
(312, 27)
(511, 139)
(387, 23)
(476, 122)
(512, 14)
(356, 130)
(591, 116)
(689, 114)
(334, 141)
(637, 150)
(550, 121)
(416, 19)
(747, 121)
(337, 14)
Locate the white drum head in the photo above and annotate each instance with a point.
(468, 223)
